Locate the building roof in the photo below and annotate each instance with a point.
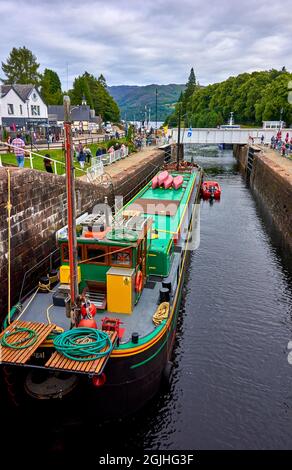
(79, 113)
(23, 91)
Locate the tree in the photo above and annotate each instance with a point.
(97, 96)
(102, 80)
(51, 89)
(191, 86)
(253, 97)
(21, 67)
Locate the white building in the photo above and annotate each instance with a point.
(21, 106)
(273, 124)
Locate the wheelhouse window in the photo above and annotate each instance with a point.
(65, 252)
(96, 254)
(120, 258)
(10, 109)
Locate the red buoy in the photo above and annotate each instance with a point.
(88, 309)
(87, 323)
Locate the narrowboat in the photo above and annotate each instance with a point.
(110, 342)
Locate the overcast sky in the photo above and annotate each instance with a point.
(150, 41)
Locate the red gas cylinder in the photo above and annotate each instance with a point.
(87, 323)
(88, 309)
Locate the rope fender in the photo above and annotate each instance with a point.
(161, 313)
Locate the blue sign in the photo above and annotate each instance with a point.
(190, 132)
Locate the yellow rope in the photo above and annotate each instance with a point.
(45, 287)
(53, 279)
(48, 315)
(9, 207)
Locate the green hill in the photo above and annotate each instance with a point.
(132, 100)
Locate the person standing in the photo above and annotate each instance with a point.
(81, 159)
(88, 154)
(80, 147)
(283, 149)
(9, 143)
(19, 150)
(123, 150)
(99, 152)
(48, 164)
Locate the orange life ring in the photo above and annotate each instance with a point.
(139, 282)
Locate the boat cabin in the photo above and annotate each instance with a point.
(112, 260)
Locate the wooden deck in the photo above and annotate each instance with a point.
(21, 356)
(60, 362)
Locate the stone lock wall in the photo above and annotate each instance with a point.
(274, 189)
(272, 185)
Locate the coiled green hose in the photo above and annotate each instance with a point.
(83, 344)
(19, 344)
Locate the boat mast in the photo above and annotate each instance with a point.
(71, 205)
(178, 136)
(156, 93)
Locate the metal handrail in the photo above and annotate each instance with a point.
(109, 158)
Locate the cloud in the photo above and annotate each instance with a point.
(153, 41)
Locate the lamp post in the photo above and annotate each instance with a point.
(178, 136)
(156, 97)
(281, 114)
(27, 122)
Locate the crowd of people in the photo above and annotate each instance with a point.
(281, 144)
(82, 154)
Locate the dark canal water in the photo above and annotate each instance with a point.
(232, 386)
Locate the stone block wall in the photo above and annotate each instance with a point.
(272, 185)
(274, 189)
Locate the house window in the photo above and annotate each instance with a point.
(35, 110)
(10, 109)
(96, 254)
(20, 109)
